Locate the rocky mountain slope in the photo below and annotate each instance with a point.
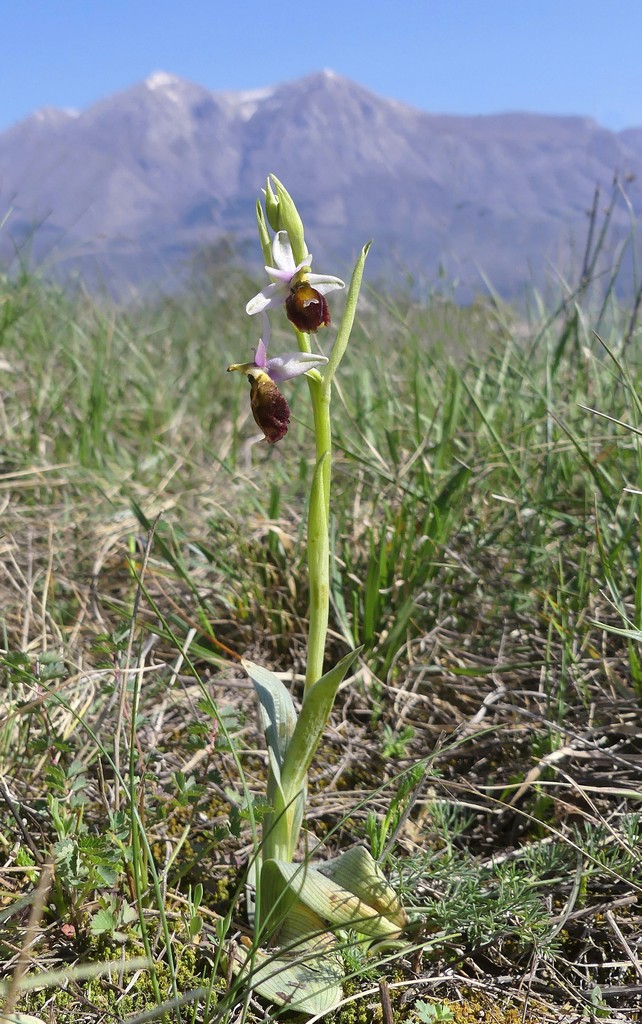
(126, 190)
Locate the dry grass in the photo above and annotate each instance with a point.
(488, 746)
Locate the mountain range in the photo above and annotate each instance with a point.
(126, 191)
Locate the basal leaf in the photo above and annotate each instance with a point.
(302, 980)
(305, 972)
(357, 871)
(22, 1018)
(333, 903)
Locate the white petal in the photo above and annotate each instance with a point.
(292, 364)
(306, 262)
(284, 258)
(266, 299)
(282, 252)
(324, 284)
(279, 275)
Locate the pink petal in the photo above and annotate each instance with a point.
(260, 356)
(279, 275)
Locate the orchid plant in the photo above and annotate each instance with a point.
(299, 907)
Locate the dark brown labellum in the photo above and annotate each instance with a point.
(307, 308)
(269, 408)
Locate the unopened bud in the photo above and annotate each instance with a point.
(272, 207)
(264, 234)
(289, 219)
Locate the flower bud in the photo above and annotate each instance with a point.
(264, 234)
(272, 207)
(288, 218)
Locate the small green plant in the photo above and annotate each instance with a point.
(396, 741)
(84, 860)
(380, 830)
(114, 919)
(430, 1013)
(599, 1008)
(296, 904)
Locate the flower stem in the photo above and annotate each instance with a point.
(318, 534)
(319, 509)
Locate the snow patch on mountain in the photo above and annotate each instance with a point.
(171, 86)
(244, 104)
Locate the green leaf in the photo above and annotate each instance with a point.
(103, 921)
(313, 718)
(334, 904)
(347, 321)
(128, 913)
(307, 979)
(40, 980)
(277, 899)
(282, 824)
(277, 709)
(305, 972)
(357, 871)
(429, 1013)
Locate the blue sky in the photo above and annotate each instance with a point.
(451, 56)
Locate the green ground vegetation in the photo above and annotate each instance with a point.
(486, 553)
